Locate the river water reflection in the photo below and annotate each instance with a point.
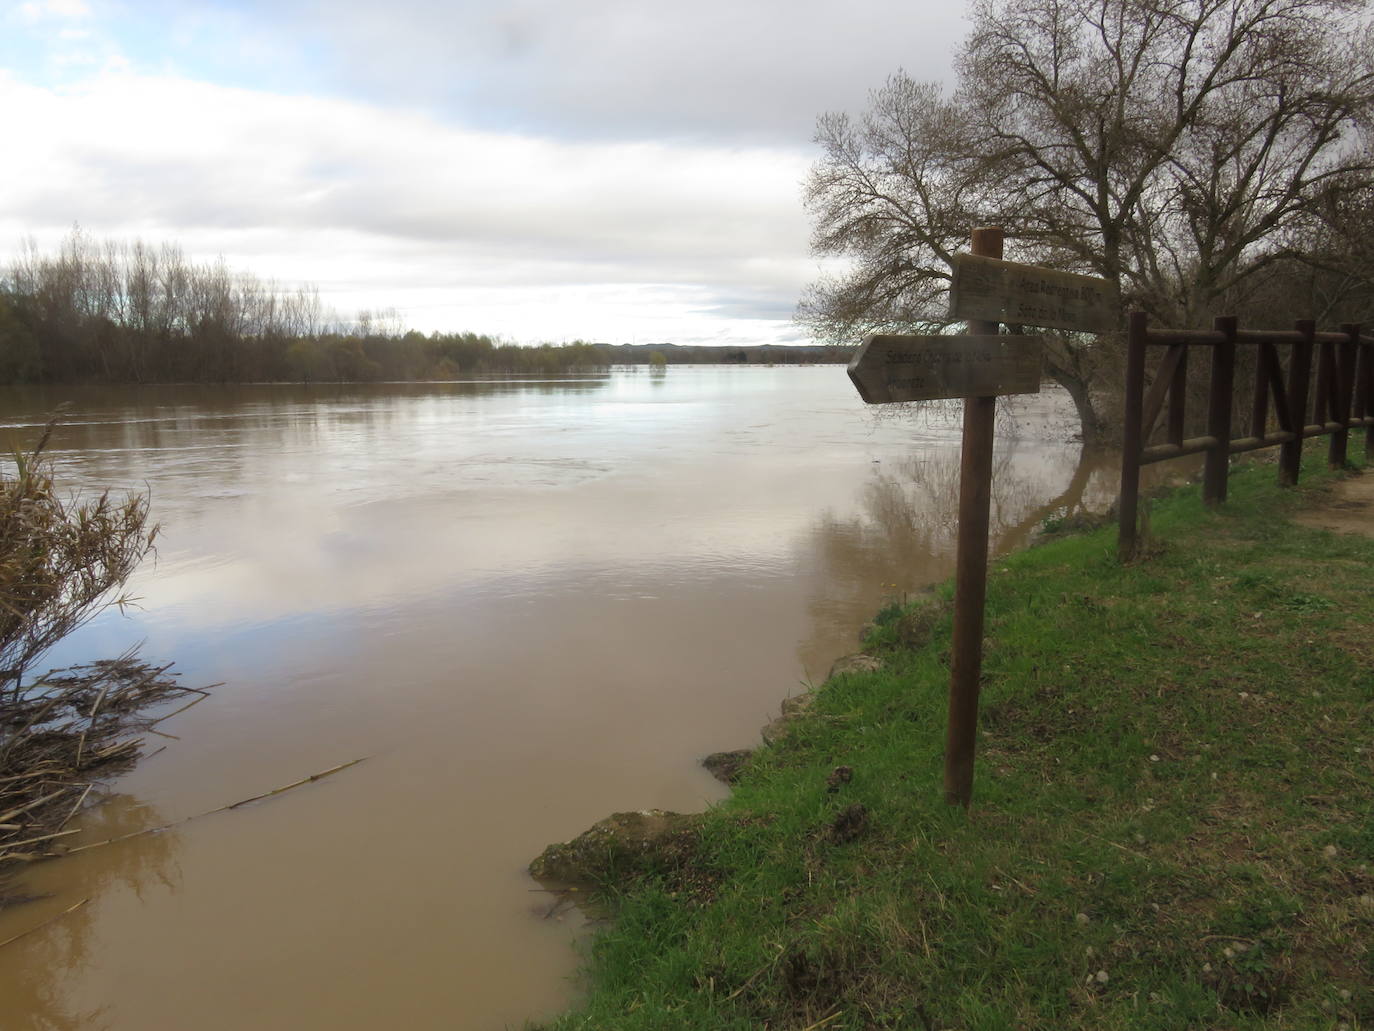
(529, 603)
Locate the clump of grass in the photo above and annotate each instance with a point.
(1173, 823)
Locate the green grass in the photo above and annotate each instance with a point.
(1173, 821)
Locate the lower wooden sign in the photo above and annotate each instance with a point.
(926, 368)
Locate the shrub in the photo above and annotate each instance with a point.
(61, 559)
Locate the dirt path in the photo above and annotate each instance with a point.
(1348, 507)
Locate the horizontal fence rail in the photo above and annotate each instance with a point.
(1343, 400)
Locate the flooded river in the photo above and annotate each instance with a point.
(528, 603)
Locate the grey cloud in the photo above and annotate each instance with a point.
(710, 70)
(753, 306)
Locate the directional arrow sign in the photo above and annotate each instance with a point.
(1028, 295)
(924, 368)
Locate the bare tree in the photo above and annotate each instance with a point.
(1179, 148)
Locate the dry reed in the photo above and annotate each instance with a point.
(64, 732)
(62, 559)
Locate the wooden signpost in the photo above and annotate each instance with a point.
(978, 367)
(910, 368)
(983, 287)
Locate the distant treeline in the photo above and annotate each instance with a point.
(109, 312)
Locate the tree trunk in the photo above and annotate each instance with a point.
(1092, 426)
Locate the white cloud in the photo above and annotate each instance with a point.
(39, 10)
(458, 228)
(602, 168)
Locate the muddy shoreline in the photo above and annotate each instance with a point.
(626, 844)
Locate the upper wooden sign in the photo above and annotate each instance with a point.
(925, 368)
(1006, 291)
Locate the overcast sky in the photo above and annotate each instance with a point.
(538, 169)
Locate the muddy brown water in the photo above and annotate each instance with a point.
(528, 603)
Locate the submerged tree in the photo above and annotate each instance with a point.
(1181, 149)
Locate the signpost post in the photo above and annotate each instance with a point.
(979, 368)
(971, 565)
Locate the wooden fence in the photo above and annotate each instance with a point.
(1343, 400)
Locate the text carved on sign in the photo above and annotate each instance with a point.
(1007, 291)
(927, 368)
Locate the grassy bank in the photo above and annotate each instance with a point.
(1173, 823)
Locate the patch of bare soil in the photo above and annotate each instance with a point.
(1348, 507)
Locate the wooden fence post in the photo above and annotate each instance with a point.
(1343, 375)
(1219, 412)
(1321, 389)
(1127, 541)
(1299, 378)
(971, 570)
(1364, 393)
(1178, 400)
